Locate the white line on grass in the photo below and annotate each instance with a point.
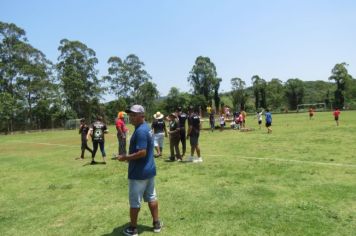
(56, 144)
(290, 160)
(49, 144)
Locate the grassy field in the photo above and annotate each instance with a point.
(299, 180)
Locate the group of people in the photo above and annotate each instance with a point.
(142, 168)
(96, 132)
(177, 133)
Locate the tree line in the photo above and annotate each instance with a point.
(36, 93)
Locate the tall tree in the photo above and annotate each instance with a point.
(203, 78)
(238, 93)
(275, 93)
(175, 99)
(341, 77)
(259, 90)
(125, 77)
(78, 76)
(294, 91)
(24, 71)
(216, 94)
(146, 95)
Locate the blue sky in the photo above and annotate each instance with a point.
(273, 39)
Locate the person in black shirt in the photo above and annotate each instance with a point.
(193, 135)
(182, 118)
(97, 131)
(159, 132)
(174, 137)
(83, 131)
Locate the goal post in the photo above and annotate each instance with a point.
(72, 124)
(321, 106)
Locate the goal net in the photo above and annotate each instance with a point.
(72, 124)
(316, 107)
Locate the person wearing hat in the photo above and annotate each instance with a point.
(159, 132)
(141, 171)
(83, 131)
(121, 132)
(174, 137)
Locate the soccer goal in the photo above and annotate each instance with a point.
(72, 124)
(316, 107)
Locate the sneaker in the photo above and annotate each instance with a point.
(93, 162)
(130, 231)
(199, 159)
(190, 158)
(157, 226)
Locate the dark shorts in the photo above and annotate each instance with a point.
(260, 122)
(194, 140)
(336, 118)
(268, 124)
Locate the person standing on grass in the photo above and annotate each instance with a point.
(193, 135)
(222, 122)
(97, 131)
(141, 171)
(182, 117)
(259, 118)
(159, 132)
(336, 115)
(83, 131)
(268, 116)
(212, 121)
(244, 115)
(174, 137)
(311, 113)
(121, 132)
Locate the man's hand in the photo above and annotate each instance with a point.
(121, 158)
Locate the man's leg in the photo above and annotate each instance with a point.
(95, 148)
(154, 210)
(133, 216)
(102, 149)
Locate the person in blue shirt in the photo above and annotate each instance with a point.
(268, 116)
(141, 170)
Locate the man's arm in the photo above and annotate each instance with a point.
(134, 156)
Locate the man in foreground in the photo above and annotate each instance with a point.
(141, 171)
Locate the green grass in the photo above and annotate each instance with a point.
(299, 180)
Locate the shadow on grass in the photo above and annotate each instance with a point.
(119, 230)
(96, 163)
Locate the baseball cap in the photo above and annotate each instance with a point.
(135, 109)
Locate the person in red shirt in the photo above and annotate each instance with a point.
(311, 113)
(336, 114)
(121, 132)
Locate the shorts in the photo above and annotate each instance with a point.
(194, 140)
(268, 124)
(260, 122)
(336, 118)
(158, 139)
(139, 189)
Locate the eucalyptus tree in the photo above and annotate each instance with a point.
(203, 78)
(25, 73)
(175, 99)
(238, 93)
(146, 95)
(259, 90)
(126, 77)
(78, 76)
(275, 94)
(341, 77)
(294, 91)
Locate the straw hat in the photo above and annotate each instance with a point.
(158, 115)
